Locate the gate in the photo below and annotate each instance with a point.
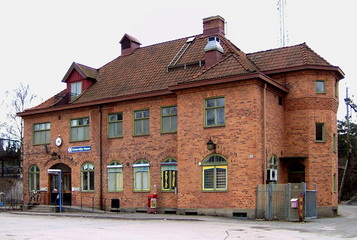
(274, 201)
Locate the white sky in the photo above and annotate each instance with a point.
(39, 40)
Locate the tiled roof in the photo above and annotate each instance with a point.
(147, 69)
(280, 58)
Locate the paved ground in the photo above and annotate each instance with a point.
(155, 226)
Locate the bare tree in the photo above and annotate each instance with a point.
(17, 101)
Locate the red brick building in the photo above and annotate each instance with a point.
(141, 124)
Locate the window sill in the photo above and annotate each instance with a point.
(215, 126)
(168, 132)
(320, 141)
(141, 191)
(142, 135)
(115, 137)
(75, 141)
(215, 191)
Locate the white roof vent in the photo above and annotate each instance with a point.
(213, 44)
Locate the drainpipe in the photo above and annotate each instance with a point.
(265, 132)
(100, 158)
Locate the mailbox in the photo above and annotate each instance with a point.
(294, 203)
(152, 203)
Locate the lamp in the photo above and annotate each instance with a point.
(211, 145)
(54, 155)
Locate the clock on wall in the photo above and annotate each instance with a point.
(58, 141)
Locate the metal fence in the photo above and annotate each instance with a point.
(274, 201)
(11, 194)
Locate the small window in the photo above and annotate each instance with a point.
(115, 177)
(142, 122)
(34, 178)
(215, 112)
(169, 175)
(141, 176)
(115, 125)
(334, 182)
(280, 101)
(41, 133)
(80, 129)
(87, 177)
(336, 89)
(320, 86)
(169, 119)
(76, 89)
(214, 173)
(334, 144)
(320, 132)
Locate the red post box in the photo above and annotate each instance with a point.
(152, 203)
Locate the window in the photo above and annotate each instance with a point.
(87, 177)
(141, 122)
(76, 89)
(334, 144)
(169, 175)
(214, 173)
(169, 119)
(115, 177)
(334, 182)
(34, 178)
(214, 112)
(41, 133)
(320, 86)
(141, 176)
(320, 132)
(115, 125)
(80, 129)
(273, 162)
(336, 89)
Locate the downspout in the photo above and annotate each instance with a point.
(100, 158)
(265, 132)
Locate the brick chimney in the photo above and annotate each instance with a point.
(213, 25)
(128, 44)
(212, 28)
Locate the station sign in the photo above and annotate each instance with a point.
(79, 149)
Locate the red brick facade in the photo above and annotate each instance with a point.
(269, 113)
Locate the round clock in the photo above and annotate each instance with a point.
(58, 141)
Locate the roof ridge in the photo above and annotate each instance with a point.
(274, 49)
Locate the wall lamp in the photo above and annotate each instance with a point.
(54, 155)
(211, 145)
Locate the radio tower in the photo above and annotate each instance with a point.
(283, 36)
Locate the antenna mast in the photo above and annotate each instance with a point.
(283, 36)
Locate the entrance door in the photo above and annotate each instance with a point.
(66, 185)
(296, 173)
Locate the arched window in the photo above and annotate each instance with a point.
(169, 174)
(214, 173)
(87, 177)
(273, 162)
(115, 176)
(34, 178)
(141, 176)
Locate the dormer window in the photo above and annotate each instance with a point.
(76, 89)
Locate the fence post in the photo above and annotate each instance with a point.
(270, 195)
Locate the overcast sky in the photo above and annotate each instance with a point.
(39, 40)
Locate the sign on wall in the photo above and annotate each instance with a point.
(79, 149)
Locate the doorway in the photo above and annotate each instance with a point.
(296, 173)
(66, 185)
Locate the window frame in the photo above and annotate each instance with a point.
(215, 108)
(170, 117)
(45, 131)
(316, 86)
(83, 127)
(115, 123)
(141, 120)
(88, 171)
(115, 168)
(141, 166)
(323, 132)
(214, 165)
(75, 94)
(170, 165)
(34, 178)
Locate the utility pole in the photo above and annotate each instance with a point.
(349, 104)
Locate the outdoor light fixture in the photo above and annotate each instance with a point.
(54, 155)
(211, 145)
